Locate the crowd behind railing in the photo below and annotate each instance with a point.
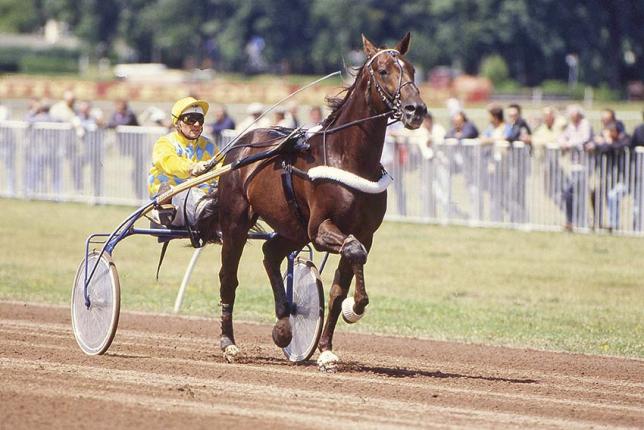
(555, 173)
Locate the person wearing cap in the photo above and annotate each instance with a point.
(179, 156)
(253, 120)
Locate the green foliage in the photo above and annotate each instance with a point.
(532, 37)
(10, 58)
(47, 64)
(39, 61)
(606, 94)
(508, 86)
(567, 292)
(561, 88)
(494, 68)
(18, 16)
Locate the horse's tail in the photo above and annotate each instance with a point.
(207, 222)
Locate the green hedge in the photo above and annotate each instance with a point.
(24, 60)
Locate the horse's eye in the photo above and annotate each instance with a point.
(382, 72)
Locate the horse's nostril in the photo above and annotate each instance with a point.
(416, 109)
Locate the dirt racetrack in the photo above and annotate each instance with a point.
(167, 372)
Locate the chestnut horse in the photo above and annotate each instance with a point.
(333, 216)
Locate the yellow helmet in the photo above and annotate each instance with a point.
(188, 102)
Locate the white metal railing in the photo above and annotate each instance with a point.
(508, 184)
(458, 182)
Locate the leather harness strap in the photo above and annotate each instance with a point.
(287, 184)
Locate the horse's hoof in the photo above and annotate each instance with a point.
(282, 334)
(348, 314)
(328, 362)
(230, 353)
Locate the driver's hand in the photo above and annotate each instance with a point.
(199, 168)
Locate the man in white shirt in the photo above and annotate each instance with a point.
(576, 138)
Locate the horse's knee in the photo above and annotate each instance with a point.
(354, 251)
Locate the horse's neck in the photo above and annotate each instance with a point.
(358, 149)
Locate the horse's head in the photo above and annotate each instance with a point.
(391, 82)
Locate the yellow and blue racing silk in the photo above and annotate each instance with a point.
(172, 157)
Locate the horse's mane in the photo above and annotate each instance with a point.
(337, 102)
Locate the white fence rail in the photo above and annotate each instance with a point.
(509, 184)
(458, 182)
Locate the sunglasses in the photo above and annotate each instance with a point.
(192, 118)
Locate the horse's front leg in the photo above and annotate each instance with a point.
(353, 257)
(231, 252)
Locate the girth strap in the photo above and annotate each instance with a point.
(289, 191)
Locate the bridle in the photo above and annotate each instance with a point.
(392, 101)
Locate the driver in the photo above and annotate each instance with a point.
(177, 157)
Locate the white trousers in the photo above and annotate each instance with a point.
(189, 200)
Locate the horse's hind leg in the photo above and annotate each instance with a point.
(234, 238)
(275, 250)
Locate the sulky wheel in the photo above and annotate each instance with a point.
(95, 327)
(308, 315)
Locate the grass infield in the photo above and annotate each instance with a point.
(555, 291)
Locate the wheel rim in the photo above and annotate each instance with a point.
(306, 322)
(94, 328)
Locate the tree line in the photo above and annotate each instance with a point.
(598, 41)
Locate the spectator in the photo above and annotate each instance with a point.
(38, 111)
(315, 116)
(223, 121)
(434, 168)
(284, 117)
(637, 163)
(517, 128)
(132, 146)
(466, 159)
(576, 137)
(63, 111)
(552, 126)
(122, 115)
(428, 134)
(496, 130)
(491, 157)
(280, 119)
(578, 134)
(612, 159)
(608, 117)
(462, 128)
(88, 119)
(252, 120)
(638, 135)
(44, 155)
(152, 116)
(516, 164)
(545, 149)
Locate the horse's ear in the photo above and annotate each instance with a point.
(403, 45)
(369, 49)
